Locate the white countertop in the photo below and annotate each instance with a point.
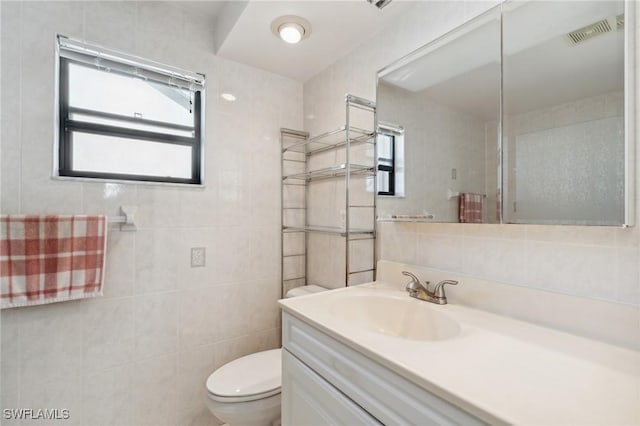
(498, 369)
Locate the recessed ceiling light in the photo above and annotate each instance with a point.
(291, 32)
(291, 29)
(228, 97)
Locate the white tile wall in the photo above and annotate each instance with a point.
(141, 353)
(592, 262)
(106, 396)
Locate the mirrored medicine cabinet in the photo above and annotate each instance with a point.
(528, 108)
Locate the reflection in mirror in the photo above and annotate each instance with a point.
(390, 149)
(563, 133)
(445, 99)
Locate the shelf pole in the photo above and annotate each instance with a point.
(306, 217)
(282, 214)
(347, 181)
(375, 191)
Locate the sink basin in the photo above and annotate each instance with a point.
(403, 318)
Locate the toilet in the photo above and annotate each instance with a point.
(246, 391)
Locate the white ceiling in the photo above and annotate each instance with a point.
(337, 27)
(208, 9)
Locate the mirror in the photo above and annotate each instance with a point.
(441, 105)
(563, 131)
(517, 116)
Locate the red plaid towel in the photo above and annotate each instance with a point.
(470, 207)
(45, 259)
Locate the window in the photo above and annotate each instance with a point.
(386, 169)
(125, 118)
(390, 148)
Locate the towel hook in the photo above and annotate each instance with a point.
(129, 213)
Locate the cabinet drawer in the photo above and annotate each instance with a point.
(384, 394)
(308, 399)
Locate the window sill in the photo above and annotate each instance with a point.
(127, 182)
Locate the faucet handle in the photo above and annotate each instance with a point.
(439, 290)
(414, 284)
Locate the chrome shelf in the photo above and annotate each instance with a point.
(328, 230)
(332, 140)
(347, 144)
(410, 218)
(331, 172)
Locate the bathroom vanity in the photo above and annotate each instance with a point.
(370, 354)
(323, 377)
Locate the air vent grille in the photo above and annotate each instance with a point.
(379, 3)
(620, 22)
(590, 31)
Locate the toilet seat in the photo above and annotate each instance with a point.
(252, 377)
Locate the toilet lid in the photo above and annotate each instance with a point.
(304, 290)
(251, 377)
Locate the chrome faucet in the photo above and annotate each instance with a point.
(419, 291)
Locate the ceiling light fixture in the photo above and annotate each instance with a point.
(291, 29)
(291, 32)
(228, 97)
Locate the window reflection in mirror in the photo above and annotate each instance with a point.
(446, 96)
(563, 134)
(390, 152)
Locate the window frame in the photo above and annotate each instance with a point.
(389, 169)
(397, 132)
(65, 126)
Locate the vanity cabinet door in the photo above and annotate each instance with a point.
(308, 399)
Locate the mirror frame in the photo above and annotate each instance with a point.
(631, 98)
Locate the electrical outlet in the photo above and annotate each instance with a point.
(198, 256)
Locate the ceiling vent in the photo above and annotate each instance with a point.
(379, 3)
(601, 27)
